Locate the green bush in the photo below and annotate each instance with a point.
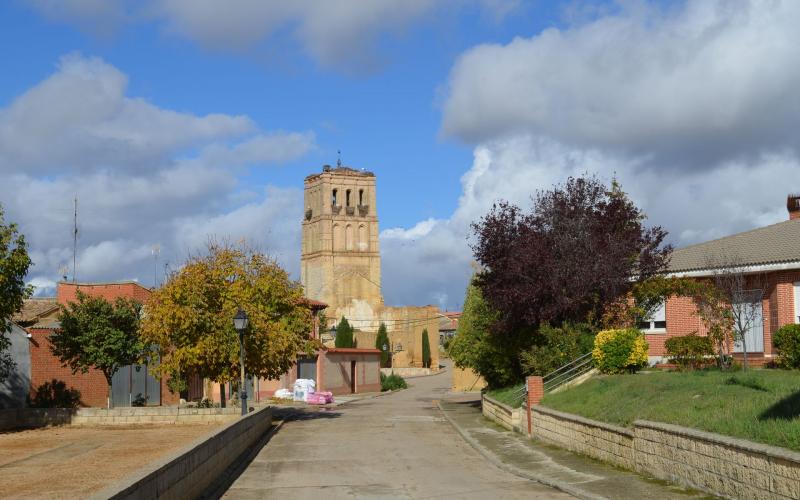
(556, 346)
(689, 351)
(787, 342)
(344, 334)
(392, 382)
(55, 394)
(620, 351)
(381, 340)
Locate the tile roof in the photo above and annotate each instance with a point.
(775, 244)
(35, 308)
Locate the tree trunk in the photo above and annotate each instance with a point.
(222, 394)
(744, 353)
(110, 389)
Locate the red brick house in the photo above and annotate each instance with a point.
(771, 253)
(40, 317)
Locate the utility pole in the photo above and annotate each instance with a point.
(156, 251)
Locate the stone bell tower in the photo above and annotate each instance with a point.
(340, 262)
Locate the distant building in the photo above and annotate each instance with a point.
(340, 265)
(448, 323)
(772, 253)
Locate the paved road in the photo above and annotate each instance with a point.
(394, 446)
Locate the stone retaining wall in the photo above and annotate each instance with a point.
(502, 414)
(408, 372)
(721, 465)
(190, 472)
(596, 439)
(42, 417)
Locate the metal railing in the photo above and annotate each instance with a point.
(567, 373)
(519, 396)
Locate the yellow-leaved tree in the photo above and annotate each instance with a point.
(190, 318)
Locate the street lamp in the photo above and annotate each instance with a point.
(386, 353)
(240, 322)
(333, 332)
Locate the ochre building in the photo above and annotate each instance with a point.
(341, 265)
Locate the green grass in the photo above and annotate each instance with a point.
(512, 396)
(758, 405)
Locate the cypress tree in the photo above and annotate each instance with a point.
(344, 334)
(383, 340)
(426, 349)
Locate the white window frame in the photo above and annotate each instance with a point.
(797, 302)
(659, 314)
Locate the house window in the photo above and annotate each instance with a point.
(333, 198)
(657, 323)
(347, 200)
(360, 197)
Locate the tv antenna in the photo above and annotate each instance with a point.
(156, 251)
(63, 271)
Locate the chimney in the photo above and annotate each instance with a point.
(793, 206)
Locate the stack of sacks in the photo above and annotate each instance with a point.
(284, 394)
(303, 387)
(319, 398)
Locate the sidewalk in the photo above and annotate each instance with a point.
(580, 476)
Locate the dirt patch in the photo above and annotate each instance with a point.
(70, 462)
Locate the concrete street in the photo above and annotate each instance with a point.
(393, 446)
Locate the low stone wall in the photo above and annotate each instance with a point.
(42, 417)
(408, 372)
(502, 414)
(190, 472)
(34, 417)
(596, 439)
(721, 465)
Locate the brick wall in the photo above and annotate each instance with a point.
(45, 367)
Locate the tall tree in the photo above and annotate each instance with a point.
(493, 357)
(14, 264)
(426, 349)
(582, 246)
(382, 343)
(344, 334)
(96, 333)
(190, 318)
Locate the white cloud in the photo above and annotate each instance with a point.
(143, 175)
(694, 85)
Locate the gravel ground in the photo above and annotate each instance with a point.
(73, 462)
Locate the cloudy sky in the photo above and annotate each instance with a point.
(173, 121)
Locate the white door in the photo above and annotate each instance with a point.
(754, 337)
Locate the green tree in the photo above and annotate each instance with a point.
(190, 318)
(344, 334)
(383, 340)
(474, 346)
(426, 349)
(14, 264)
(96, 333)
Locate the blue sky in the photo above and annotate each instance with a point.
(176, 120)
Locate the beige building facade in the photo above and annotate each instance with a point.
(340, 265)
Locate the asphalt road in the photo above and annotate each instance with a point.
(394, 446)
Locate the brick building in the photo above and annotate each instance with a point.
(39, 318)
(770, 259)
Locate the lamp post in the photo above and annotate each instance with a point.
(240, 322)
(386, 354)
(333, 332)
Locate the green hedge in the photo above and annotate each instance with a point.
(787, 342)
(689, 351)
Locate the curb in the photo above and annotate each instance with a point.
(559, 485)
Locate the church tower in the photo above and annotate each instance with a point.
(340, 262)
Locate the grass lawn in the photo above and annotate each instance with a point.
(758, 405)
(512, 396)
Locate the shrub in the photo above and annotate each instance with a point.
(689, 351)
(787, 342)
(392, 382)
(344, 334)
(55, 394)
(556, 346)
(620, 351)
(381, 341)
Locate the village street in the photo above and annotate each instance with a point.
(393, 446)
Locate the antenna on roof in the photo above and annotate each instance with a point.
(75, 242)
(339, 159)
(64, 272)
(156, 251)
